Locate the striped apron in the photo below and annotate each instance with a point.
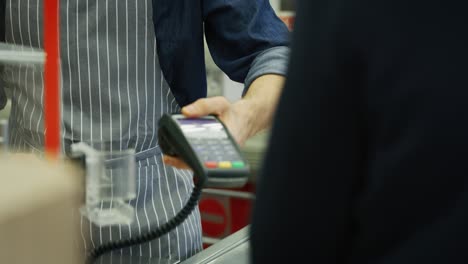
(113, 91)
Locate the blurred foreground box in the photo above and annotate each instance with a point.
(39, 217)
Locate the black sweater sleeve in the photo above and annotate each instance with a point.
(314, 158)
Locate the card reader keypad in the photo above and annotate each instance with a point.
(217, 152)
(212, 145)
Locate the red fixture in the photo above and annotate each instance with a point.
(51, 78)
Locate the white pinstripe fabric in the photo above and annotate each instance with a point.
(113, 90)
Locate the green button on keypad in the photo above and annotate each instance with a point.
(238, 164)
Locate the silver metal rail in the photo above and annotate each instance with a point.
(232, 249)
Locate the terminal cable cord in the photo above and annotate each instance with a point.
(160, 231)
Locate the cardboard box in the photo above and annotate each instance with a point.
(39, 217)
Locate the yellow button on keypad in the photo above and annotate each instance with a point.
(225, 165)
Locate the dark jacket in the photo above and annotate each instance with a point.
(368, 158)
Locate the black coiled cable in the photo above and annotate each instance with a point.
(160, 231)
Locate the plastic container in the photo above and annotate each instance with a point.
(110, 183)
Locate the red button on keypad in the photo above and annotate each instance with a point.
(211, 164)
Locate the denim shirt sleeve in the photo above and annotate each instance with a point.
(272, 61)
(243, 36)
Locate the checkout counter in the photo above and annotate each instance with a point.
(26, 222)
(41, 209)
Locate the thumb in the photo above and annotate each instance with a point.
(206, 106)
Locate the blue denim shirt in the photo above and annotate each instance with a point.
(245, 37)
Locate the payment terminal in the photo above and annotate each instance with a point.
(206, 145)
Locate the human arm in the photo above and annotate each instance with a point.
(249, 43)
(245, 117)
